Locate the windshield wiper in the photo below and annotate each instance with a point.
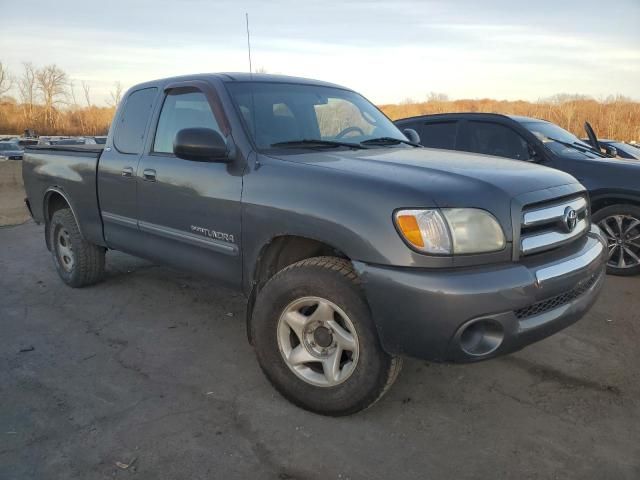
(388, 141)
(577, 146)
(311, 142)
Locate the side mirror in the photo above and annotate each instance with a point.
(534, 154)
(611, 151)
(201, 145)
(411, 135)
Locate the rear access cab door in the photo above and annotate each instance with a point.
(117, 168)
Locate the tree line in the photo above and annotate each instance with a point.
(614, 117)
(49, 102)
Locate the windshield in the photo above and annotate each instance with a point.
(555, 138)
(276, 113)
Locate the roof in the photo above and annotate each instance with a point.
(267, 77)
(454, 115)
(521, 118)
(230, 77)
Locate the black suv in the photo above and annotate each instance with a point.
(613, 183)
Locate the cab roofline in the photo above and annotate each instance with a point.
(464, 115)
(231, 77)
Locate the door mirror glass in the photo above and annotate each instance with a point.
(200, 144)
(534, 154)
(411, 135)
(611, 151)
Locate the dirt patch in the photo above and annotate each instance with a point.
(12, 208)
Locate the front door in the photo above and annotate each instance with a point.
(189, 211)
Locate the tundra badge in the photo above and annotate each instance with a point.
(213, 234)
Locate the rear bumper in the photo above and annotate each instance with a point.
(472, 314)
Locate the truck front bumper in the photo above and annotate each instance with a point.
(472, 314)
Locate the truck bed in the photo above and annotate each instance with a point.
(86, 149)
(69, 171)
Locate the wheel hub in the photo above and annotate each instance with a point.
(318, 339)
(323, 337)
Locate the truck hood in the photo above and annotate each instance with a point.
(447, 177)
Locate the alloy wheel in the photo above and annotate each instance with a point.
(623, 240)
(318, 341)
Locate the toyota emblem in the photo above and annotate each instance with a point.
(570, 219)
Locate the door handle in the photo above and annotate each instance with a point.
(127, 172)
(149, 175)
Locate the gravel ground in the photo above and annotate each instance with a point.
(152, 369)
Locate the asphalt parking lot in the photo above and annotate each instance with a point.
(152, 369)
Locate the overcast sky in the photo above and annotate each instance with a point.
(387, 50)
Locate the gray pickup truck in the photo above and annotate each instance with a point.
(353, 245)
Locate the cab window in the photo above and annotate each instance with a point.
(182, 109)
(495, 139)
(437, 134)
(132, 122)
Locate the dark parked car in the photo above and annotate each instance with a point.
(352, 245)
(613, 183)
(11, 150)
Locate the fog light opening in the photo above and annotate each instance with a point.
(481, 337)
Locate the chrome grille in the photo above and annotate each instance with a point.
(548, 226)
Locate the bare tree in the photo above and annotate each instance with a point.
(86, 88)
(27, 88)
(437, 97)
(6, 80)
(52, 83)
(115, 95)
(77, 110)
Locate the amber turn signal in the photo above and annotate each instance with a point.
(408, 225)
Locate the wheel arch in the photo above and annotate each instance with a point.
(598, 202)
(56, 199)
(280, 252)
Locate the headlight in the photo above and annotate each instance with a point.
(450, 230)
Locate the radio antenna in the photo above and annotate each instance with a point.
(246, 16)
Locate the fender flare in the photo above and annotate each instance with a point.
(45, 209)
(618, 197)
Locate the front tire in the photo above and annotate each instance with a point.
(78, 262)
(315, 339)
(620, 225)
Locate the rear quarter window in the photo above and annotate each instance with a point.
(132, 122)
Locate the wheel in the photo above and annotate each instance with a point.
(621, 227)
(315, 339)
(78, 262)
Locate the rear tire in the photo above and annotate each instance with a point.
(620, 225)
(322, 299)
(78, 262)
